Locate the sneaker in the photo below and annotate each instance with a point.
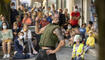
(35, 52)
(8, 55)
(5, 56)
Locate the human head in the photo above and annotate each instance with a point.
(84, 25)
(21, 7)
(12, 5)
(18, 18)
(69, 26)
(60, 10)
(76, 8)
(77, 38)
(90, 33)
(15, 25)
(49, 8)
(29, 14)
(90, 24)
(77, 30)
(3, 18)
(25, 27)
(56, 19)
(66, 10)
(26, 15)
(4, 25)
(21, 35)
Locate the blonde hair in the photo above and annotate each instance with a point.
(25, 25)
(90, 32)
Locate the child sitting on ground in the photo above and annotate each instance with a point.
(78, 49)
(90, 43)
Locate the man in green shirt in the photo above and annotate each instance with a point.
(50, 35)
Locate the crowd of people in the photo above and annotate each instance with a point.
(18, 34)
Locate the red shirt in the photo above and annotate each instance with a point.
(74, 22)
(77, 14)
(27, 21)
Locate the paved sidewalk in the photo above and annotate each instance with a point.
(66, 53)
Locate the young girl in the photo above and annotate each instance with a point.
(90, 43)
(78, 49)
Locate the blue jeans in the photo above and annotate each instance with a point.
(29, 45)
(20, 55)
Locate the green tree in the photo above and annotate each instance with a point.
(5, 9)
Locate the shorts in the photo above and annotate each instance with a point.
(7, 41)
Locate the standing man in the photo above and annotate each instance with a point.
(51, 34)
(13, 14)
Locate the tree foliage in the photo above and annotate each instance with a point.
(5, 9)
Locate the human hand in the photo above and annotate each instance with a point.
(50, 52)
(15, 52)
(15, 33)
(37, 18)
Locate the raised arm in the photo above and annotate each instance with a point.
(37, 30)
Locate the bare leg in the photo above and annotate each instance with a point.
(4, 47)
(9, 47)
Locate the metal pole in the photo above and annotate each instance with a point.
(82, 13)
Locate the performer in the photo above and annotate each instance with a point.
(50, 35)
